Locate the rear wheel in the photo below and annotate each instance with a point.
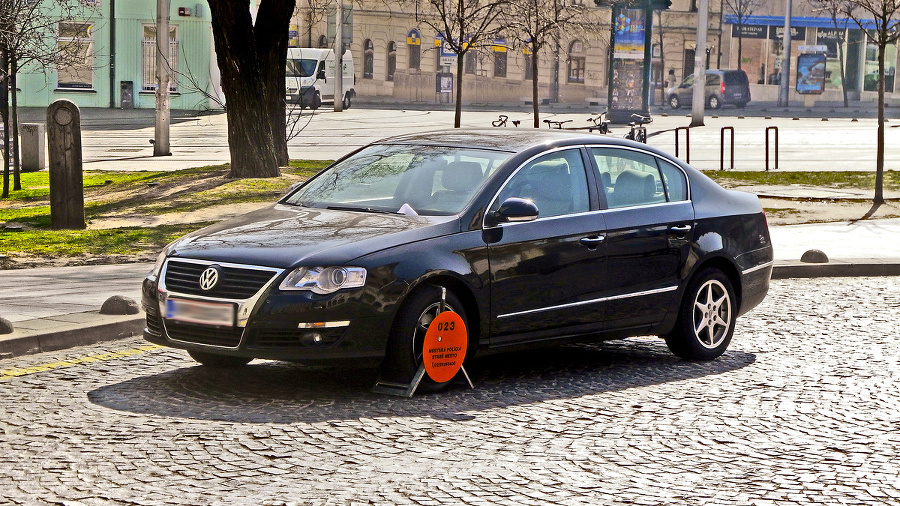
(404, 350)
(706, 318)
(218, 361)
(674, 103)
(714, 102)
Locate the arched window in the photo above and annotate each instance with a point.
(414, 43)
(323, 41)
(391, 60)
(368, 59)
(576, 62)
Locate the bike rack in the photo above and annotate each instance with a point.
(775, 129)
(687, 143)
(722, 148)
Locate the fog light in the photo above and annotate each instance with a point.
(311, 338)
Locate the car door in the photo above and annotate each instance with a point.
(685, 90)
(546, 273)
(649, 223)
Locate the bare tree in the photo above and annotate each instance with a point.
(833, 8)
(742, 10)
(26, 28)
(251, 59)
(878, 19)
(537, 23)
(464, 24)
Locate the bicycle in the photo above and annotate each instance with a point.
(638, 131)
(600, 123)
(501, 121)
(558, 124)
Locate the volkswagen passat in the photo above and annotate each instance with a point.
(535, 235)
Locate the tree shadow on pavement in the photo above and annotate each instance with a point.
(278, 392)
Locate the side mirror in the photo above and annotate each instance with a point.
(515, 210)
(320, 74)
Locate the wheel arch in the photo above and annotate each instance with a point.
(728, 268)
(461, 289)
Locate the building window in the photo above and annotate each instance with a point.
(414, 43)
(149, 54)
(500, 56)
(529, 61)
(323, 42)
(576, 62)
(391, 60)
(368, 59)
(75, 45)
(470, 62)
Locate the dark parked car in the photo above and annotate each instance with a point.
(537, 235)
(722, 87)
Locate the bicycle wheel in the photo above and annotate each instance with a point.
(642, 136)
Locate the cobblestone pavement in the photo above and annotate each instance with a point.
(804, 408)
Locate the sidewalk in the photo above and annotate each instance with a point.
(58, 307)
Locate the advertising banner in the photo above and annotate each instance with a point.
(811, 74)
(628, 65)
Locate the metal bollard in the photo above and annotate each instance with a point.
(775, 128)
(687, 143)
(722, 148)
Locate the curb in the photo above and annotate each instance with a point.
(836, 269)
(109, 328)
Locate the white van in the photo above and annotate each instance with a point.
(310, 77)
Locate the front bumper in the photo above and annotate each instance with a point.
(276, 325)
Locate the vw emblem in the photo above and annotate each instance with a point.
(209, 278)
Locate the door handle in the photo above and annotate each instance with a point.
(592, 241)
(681, 229)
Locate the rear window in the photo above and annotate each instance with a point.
(737, 78)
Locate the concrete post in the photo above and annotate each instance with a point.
(66, 180)
(161, 132)
(699, 98)
(32, 146)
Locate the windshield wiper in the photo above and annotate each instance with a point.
(362, 209)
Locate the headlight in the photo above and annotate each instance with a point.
(160, 260)
(324, 280)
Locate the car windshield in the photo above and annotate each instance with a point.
(301, 68)
(405, 179)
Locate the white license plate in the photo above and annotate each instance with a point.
(207, 313)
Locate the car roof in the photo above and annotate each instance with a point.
(512, 140)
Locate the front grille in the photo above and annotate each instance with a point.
(234, 282)
(154, 325)
(288, 337)
(204, 334)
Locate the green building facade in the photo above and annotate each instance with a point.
(115, 42)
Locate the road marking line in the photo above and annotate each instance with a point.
(14, 373)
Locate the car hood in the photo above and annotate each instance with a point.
(287, 236)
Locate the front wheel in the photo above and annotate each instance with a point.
(218, 361)
(706, 318)
(714, 102)
(674, 103)
(404, 350)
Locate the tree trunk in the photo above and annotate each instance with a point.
(879, 163)
(740, 50)
(250, 136)
(534, 87)
(14, 119)
(271, 33)
(457, 119)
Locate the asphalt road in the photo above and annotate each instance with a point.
(119, 140)
(804, 408)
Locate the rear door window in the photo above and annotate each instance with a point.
(736, 79)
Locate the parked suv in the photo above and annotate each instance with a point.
(722, 87)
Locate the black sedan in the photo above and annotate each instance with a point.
(535, 236)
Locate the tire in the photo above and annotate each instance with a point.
(404, 348)
(714, 102)
(346, 102)
(706, 318)
(218, 361)
(641, 136)
(674, 103)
